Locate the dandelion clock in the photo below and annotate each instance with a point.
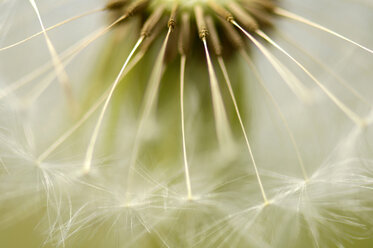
(195, 123)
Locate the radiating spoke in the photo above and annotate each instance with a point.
(59, 68)
(93, 140)
(149, 100)
(186, 165)
(248, 145)
(298, 18)
(71, 19)
(352, 115)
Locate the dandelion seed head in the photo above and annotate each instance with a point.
(201, 123)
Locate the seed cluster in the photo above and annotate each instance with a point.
(210, 17)
(208, 20)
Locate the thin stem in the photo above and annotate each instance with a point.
(222, 126)
(281, 114)
(352, 115)
(59, 68)
(71, 19)
(231, 92)
(290, 79)
(70, 52)
(86, 116)
(298, 18)
(329, 70)
(71, 130)
(67, 55)
(150, 97)
(186, 166)
(92, 143)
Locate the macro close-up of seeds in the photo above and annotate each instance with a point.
(186, 123)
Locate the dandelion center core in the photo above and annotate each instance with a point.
(212, 18)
